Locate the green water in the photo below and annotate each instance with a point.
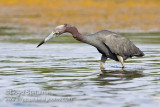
(65, 73)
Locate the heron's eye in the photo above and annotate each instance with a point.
(56, 33)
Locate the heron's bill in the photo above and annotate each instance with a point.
(52, 35)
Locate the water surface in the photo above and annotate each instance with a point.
(63, 73)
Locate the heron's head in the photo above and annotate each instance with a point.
(55, 33)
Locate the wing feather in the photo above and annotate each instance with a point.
(120, 45)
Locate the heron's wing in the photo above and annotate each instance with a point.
(119, 45)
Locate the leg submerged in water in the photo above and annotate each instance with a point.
(103, 59)
(121, 60)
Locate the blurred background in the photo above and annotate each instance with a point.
(88, 15)
(69, 68)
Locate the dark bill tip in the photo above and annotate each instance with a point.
(40, 43)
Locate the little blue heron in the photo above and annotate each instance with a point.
(109, 44)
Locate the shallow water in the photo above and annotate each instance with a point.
(68, 74)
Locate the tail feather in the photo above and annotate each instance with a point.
(139, 54)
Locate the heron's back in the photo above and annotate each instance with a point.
(118, 44)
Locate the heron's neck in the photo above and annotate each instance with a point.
(73, 30)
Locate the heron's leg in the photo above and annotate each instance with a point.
(121, 60)
(103, 59)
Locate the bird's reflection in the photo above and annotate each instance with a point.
(110, 77)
